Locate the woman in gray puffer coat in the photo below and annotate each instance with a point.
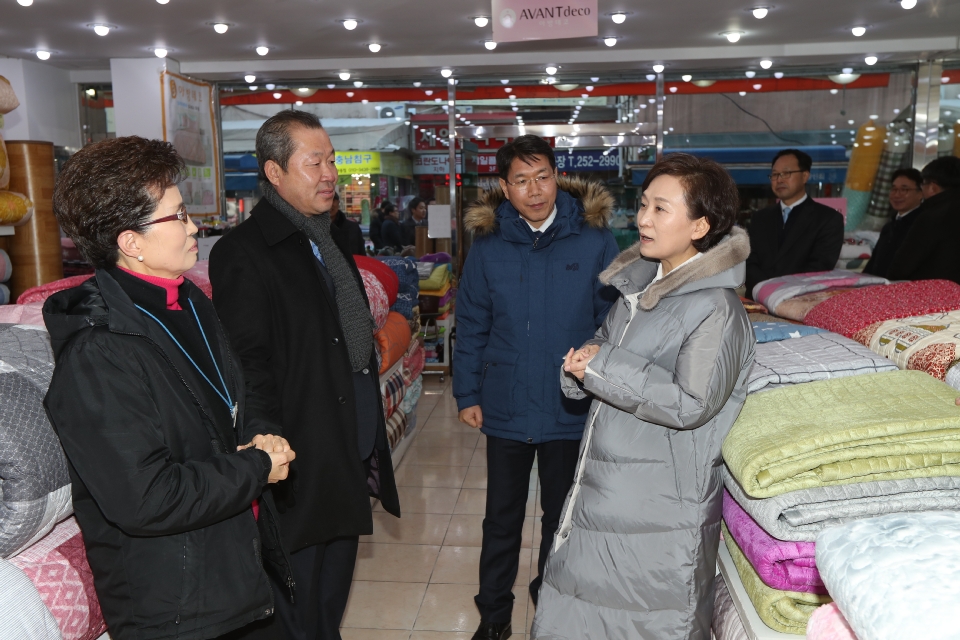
(635, 555)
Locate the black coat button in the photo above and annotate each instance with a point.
(342, 400)
(335, 341)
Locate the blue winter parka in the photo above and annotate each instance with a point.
(523, 302)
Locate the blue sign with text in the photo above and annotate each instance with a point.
(587, 160)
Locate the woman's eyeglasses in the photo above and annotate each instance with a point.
(180, 215)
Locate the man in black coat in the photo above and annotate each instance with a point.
(293, 305)
(418, 218)
(906, 196)
(796, 235)
(346, 232)
(930, 250)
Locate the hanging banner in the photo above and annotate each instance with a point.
(516, 20)
(189, 123)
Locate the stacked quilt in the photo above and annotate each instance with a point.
(409, 285)
(377, 298)
(401, 391)
(726, 621)
(929, 343)
(827, 623)
(774, 292)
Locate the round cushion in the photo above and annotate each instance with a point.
(377, 297)
(386, 276)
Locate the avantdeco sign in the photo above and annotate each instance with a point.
(516, 20)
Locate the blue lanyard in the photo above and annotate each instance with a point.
(225, 396)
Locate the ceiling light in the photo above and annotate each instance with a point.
(743, 93)
(673, 89)
(374, 47)
(551, 70)
(158, 1)
(651, 100)
(446, 73)
(299, 103)
(417, 84)
(643, 106)
(277, 95)
(757, 87)
(358, 83)
(584, 95)
(364, 101)
(833, 126)
(101, 29)
(429, 92)
(850, 121)
(589, 87)
(91, 92)
(160, 52)
(845, 78)
(875, 117)
(658, 68)
(344, 75)
(437, 100)
(406, 122)
(847, 70)
(350, 94)
(619, 17)
(906, 4)
(515, 108)
(249, 78)
(858, 31)
(513, 104)
(686, 78)
(270, 87)
(252, 87)
(504, 82)
(611, 41)
(766, 64)
(778, 75)
(732, 36)
(221, 27)
(760, 12)
(581, 102)
(704, 83)
(651, 77)
(870, 60)
(306, 92)
(25, 3)
(349, 24)
(834, 91)
(750, 74)
(331, 86)
(481, 21)
(262, 51)
(490, 45)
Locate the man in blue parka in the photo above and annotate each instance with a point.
(529, 292)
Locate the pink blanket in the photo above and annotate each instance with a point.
(786, 566)
(31, 313)
(44, 291)
(827, 623)
(774, 291)
(852, 311)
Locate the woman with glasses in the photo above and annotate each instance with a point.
(148, 400)
(906, 195)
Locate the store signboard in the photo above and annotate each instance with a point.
(437, 164)
(188, 123)
(587, 160)
(517, 20)
(357, 162)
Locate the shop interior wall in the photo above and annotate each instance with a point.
(49, 108)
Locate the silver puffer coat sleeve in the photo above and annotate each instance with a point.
(569, 385)
(706, 373)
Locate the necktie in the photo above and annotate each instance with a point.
(786, 213)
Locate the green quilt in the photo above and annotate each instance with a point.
(882, 426)
(784, 611)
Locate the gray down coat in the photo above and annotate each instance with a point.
(635, 555)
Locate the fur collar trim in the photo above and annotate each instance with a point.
(481, 216)
(730, 252)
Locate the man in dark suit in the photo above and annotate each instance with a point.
(929, 252)
(796, 235)
(346, 232)
(294, 307)
(906, 196)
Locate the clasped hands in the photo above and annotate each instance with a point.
(575, 362)
(281, 455)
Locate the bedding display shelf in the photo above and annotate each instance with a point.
(389, 372)
(442, 368)
(397, 454)
(754, 626)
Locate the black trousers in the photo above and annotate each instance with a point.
(509, 463)
(323, 574)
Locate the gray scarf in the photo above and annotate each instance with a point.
(355, 318)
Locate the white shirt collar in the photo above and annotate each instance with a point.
(546, 223)
(906, 213)
(659, 275)
(794, 205)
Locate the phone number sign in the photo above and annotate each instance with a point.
(588, 160)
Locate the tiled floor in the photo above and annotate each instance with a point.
(416, 576)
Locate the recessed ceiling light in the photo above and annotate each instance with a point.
(446, 73)
(249, 78)
(611, 41)
(350, 94)
(834, 91)
(331, 86)
(490, 45)
(673, 89)
(750, 74)
(43, 54)
(760, 12)
(732, 36)
(589, 87)
(619, 17)
(270, 86)
(162, 1)
(481, 21)
(847, 70)
(833, 126)
(160, 52)
(25, 3)
(757, 87)
(221, 27)
(364, 101)
(651, 100)
(349, 24)
(658, 68)
(91, 92)
(437, 100)
(417, 84)
(766, 64)
(778, 75)
(876, 117)
(581, 102)
(277, 95)
(262, 51)
(858, 31)
(344, 75)
(515, 108)
(551, 70)
(584, 95)
(299, 103)
(906, 4)
(686, 78)
(651, 77)
(374, 47)
(508, 89)
(743, 93)
(851, 122)
(870, 60)
(101, 29)
(252, 87)
(358, 83)
(429, 92)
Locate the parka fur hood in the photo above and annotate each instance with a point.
(481, 216)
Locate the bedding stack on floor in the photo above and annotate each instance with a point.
(437, 300)
(43, 556)
(807, 457)
(408, 292)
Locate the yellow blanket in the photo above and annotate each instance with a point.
(883, 426)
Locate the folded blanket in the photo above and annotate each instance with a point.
(897, 424)
(439, 275)
(413, 361)
(440, 257)
(752, 306)
(774, 331)
(820, 356)
(412, 396)
(393, 390)
(766, 317)
(772, 292)
(895, 577)
(23, 614)
(801, 515)
(798, 308)
(726, 620)
(827, 623)
(785, 611)
(392, 340)
(44, 291)
(439, 292)
(396, 427)
(852, 311)
(784, 565)
(929, 343)
(27, 314)
(377, 297)
(405, 268)
(953, 377)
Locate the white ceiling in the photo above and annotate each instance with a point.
(420, 36)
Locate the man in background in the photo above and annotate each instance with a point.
(346, 232)
(906, 196)
(418, 218)
(796, 235)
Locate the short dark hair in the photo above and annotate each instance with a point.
(274, 141)
(910, 174)
(414, 203)
(525, 148)
(110, 187)
(803, 159)
(944, 171)
(709, 191)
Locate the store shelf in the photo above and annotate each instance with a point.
(754, 626)
(6, 230)
(389, 372)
